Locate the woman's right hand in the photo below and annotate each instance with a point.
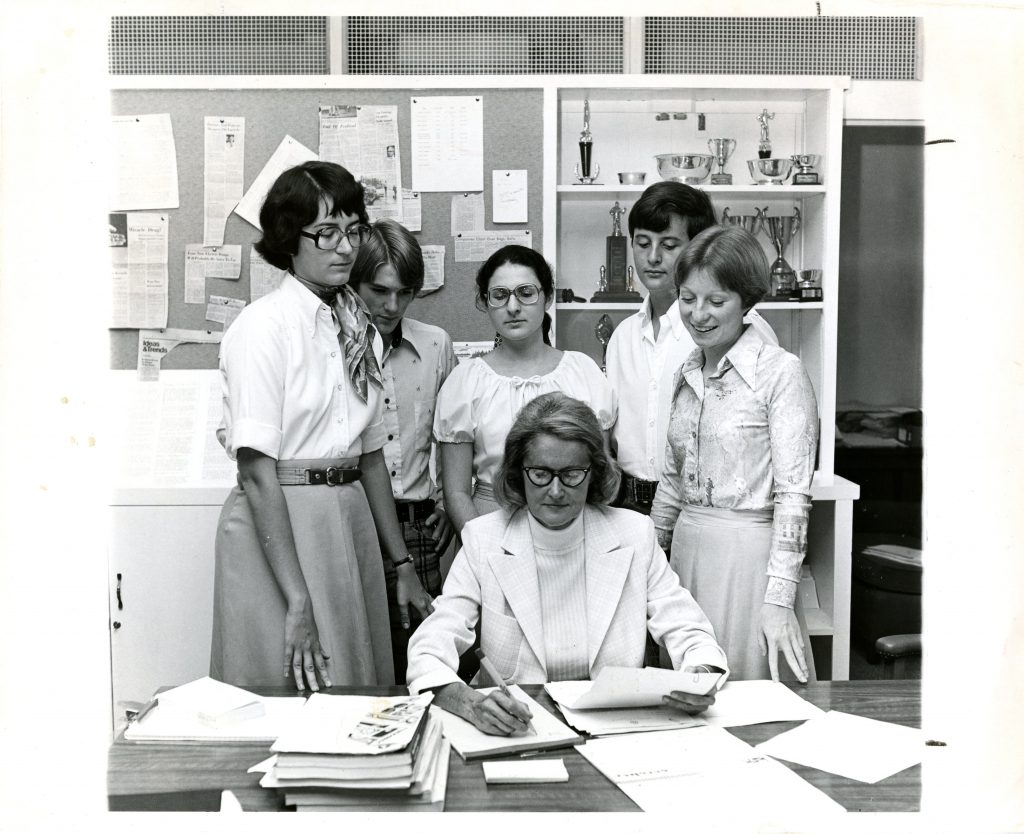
(303, 655)
(498, 714)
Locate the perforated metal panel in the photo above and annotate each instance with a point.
(484, 45)
(861, 47)
(219, 45)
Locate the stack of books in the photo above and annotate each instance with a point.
(361, 753)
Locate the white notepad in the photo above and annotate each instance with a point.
(525, 772)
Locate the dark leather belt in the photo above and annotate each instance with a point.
(317, 472)
(414, 510)
(639, 491)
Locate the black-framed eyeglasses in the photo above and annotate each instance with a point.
(524, 293)
(330, 237)
(542, 476)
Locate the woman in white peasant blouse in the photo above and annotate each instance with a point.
(734, 501)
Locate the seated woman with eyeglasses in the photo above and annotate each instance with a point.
(482, 396)
(298, 579)
(561, 584)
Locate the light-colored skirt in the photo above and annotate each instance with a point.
(721, 557)
(341, 561)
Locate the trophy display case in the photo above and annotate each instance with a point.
(750, 124)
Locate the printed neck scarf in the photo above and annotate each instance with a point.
(355, 339)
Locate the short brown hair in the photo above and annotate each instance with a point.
(733, 257)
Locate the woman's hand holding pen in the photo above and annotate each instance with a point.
(303, 655)
(499, 714)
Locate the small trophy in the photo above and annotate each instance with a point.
(616, 246)
(583, 167)
(805, 175)
(751, 222)
(810, 285)
(764, 147)
(602, 280)
(603, 331)
(629, 279)
(780, 231)
(722, 150)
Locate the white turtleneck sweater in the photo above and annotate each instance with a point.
(562, 576)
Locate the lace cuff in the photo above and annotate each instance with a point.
(781, 592)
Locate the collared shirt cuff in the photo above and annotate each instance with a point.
(251, 434)
(781, 592)
(706, 656)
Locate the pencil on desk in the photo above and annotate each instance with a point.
(499, 681)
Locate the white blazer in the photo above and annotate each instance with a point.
(630, 590)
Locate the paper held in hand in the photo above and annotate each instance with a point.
(620, 686)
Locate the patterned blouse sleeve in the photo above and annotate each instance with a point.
(668, 499)
(793, 429)
(453, 415)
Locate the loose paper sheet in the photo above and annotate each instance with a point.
(467, 213)
(508, 197)
(263, 278)
(447, 143)
(167, 430)
(607, 722)
(202, 262)
(740, 703)
(525, 772)
(656, 769)
(224, 309)
(145, 164)
(287, 155)
(621, 686)
(433, 269)
(479, 246)
(849, 745)
(364, 139)
(154, 345)
(138, 255)
(224, 158)
(412, 210)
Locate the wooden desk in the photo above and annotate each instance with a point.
(191, 776)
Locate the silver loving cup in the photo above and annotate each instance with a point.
(721, 149)
(751, 222)
(780, 231)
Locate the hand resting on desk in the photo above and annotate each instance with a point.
(495, 713)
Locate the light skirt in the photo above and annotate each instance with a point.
(341, 561)
(721, 557)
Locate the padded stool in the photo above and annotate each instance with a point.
(886, 589)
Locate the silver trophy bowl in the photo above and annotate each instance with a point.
(772, 171)
(690, 168)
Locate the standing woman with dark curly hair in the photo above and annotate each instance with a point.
(299, 582)
(481, 397)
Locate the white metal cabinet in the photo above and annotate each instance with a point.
(161, 589)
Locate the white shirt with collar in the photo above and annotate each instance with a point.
(641, 369)
(285, 388)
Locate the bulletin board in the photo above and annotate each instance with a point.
(512, 139)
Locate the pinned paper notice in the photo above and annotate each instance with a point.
(154, 345)
(288, 154)
(138, 262)
(433, 269)
(224, 157)
(479, 246)
(263, 277)
(508, 197)
(467, 213)
(202, 262)
(223, 309)
(145, 174)
(412, 210)
(447, 143)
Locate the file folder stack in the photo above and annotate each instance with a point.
(360, 753)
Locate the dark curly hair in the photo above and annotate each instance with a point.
(519, 256)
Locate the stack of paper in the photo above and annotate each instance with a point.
(209, 710)
(361, 753)
(546, 732)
